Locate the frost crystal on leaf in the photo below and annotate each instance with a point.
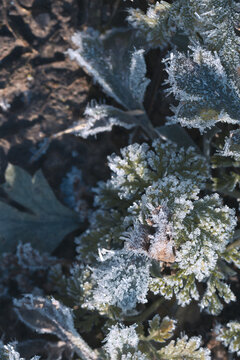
(31, 259)
(120, 280)
(152, 203)
(230, 336)
(185, 348)
(114, 62)
(137, 172)
(154, 27)
(100, 56)
(232, 145)
(7, 352)
(122, 343)
(206, 94)
(49, 316)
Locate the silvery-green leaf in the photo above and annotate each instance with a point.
(206, 95)
(111, 59)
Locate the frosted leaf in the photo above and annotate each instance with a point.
(154, 194)
(102, 118)
(45, 316)
(138, 166)
(161, 331)
(31, 259)
(122, 343)
(217, 22)
(206, 94)
(113, 63)
(232, 255)
(49, 316)
(8, 352)
(232, 145)
(120, 280)
(154, 27)
(202, 246)
(106, 227)
(216, 288)
(137, 80)
(185, 348)
(184, 287)
(230, 336)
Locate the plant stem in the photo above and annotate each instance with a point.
(233, 245)
(82, 349)
(146, 313)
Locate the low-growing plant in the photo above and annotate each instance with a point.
(163, 232)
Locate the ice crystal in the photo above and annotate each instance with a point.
(232, 145)
(120, 280)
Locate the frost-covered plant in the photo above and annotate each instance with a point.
(129, 343)
(8, 352)
(160, 229)
(152, 205)
(206, 80)
(49, 316)
(121, 280)
(230, 336)
(206, 94)
(117, 63)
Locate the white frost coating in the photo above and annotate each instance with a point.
(31, 259)
(123, 341)
(205, 92)
(121, 280)
(230, 336)
(137, 81)
(79, 39)
(49, 316)
(9, 353)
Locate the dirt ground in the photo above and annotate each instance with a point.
(43, 93)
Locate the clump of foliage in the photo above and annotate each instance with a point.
(164, 227)
(230, 336)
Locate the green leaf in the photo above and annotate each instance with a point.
(44, 223)
(178, 135)
(183, 349)
(161, 331)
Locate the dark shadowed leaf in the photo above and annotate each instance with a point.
(44, 223)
